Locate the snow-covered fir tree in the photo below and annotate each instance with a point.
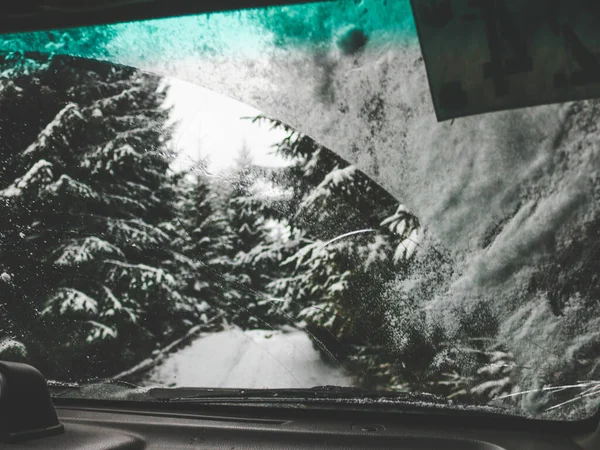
(84, 195)
(248, 220)
(346, 238)
(203, 246)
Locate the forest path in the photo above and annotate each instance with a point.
(235, 358)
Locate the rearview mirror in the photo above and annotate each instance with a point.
(484, 56)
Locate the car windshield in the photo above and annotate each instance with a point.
(265, 199)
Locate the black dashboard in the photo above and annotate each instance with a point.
(105, 428)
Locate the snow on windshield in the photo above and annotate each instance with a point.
(481, 276)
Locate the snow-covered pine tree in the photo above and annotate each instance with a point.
(353, 238)
(203, 243)
(84, 194)
(248, 215)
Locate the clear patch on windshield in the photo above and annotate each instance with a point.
(157, 233)
(138, 211)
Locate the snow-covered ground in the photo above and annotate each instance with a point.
(249, 359)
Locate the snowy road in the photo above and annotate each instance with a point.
(249, 359)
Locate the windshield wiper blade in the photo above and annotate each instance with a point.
(316, 393)
(324, 396)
